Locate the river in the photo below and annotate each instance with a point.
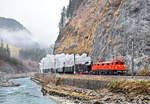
(27, 93)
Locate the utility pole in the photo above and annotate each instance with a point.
(74, 64)
(64, 68)
(43, 67)
(132, 55)
(55, 64)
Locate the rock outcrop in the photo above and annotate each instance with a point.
(108, 29)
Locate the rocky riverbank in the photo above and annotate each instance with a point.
(8, 84)
(62, 100)
(86, 96)
(117, 92)
(4, 79)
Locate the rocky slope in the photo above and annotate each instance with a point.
(107, 29)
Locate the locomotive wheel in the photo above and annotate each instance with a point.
(115, 72)
(100, 73)
(105, 73)
(110, 72)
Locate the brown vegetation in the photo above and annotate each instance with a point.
(143, 72)
(85, 26)
(82, 27)
(130, 87)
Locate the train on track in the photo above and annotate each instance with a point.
(76, 64)
(109, 67)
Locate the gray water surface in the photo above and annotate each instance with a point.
(27, 93)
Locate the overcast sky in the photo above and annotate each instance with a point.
(41, 17)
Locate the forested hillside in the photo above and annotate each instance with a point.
(9, 64)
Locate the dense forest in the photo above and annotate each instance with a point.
(35, 54)
(32, 54)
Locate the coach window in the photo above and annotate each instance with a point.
(117, 63)
(98, 65)
(108, 64)
(112, 63)
(102, 64)
(122, 63)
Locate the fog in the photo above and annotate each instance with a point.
(20, 39)
(41, 17)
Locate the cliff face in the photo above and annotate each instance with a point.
(107, 29)
(77, 35)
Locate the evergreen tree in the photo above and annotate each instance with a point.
(63, 18)
(72, 7)
(8, 51)
(2, 51)
(68, 13)
(2, 44)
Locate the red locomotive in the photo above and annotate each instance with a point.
(110, 67)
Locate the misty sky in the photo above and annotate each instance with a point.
(41, 17)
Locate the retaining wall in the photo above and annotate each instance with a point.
(84, 83)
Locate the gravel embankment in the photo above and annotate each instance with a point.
(114, 95)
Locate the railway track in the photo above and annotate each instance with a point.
(95, 77)
(128, 77)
